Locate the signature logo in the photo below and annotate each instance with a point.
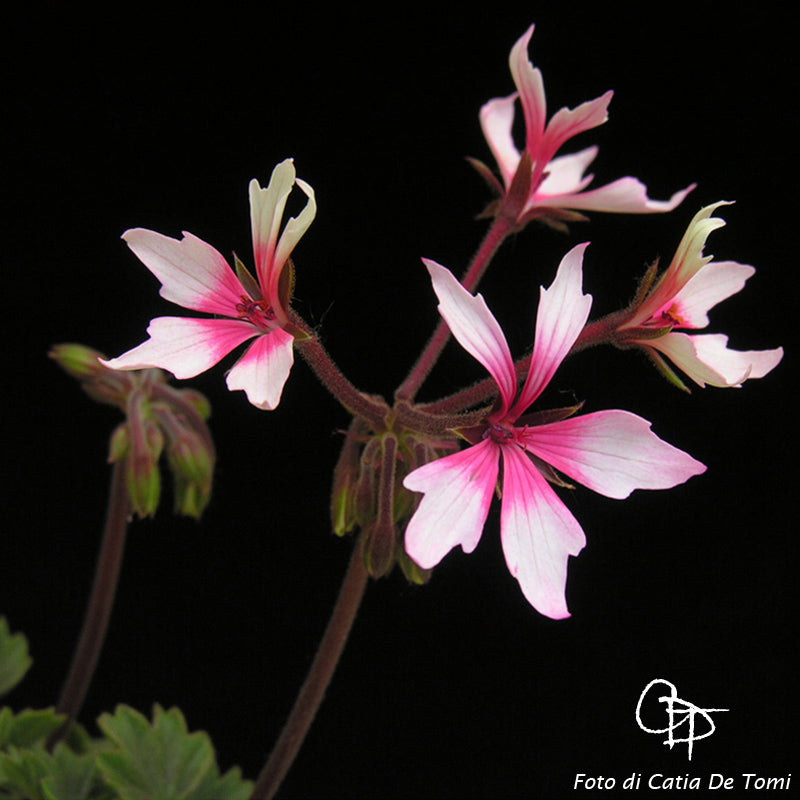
(691, 722)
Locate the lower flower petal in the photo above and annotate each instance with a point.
(538, 534)
(185, 346)
(262, 371)
(706, 358)
(623, 196)
(458, 492)
(611, 452)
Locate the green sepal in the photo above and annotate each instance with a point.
(15, 660)
(667, 371)
(249, 283)
(163, 760)
(286, 284)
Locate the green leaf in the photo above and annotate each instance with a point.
(14, 658)
(21, 774)
(163, 761)
(72, 776)
(28, 727)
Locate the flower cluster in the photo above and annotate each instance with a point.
(405, 480)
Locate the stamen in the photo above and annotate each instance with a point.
(259, 312)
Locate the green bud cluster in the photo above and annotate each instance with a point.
(159, 420)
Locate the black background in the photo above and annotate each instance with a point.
(458, 688)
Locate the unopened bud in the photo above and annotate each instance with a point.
(378, 546)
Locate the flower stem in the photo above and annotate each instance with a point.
(501, 226)
(356, 402)
(317, 680)
(98, 611)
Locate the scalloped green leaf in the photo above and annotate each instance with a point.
(162, 760)
(73, 776)
(27, 728)
(15, 660)
(21, 774)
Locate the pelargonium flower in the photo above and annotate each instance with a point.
(556, 184)
(195, 275)
(681, 299)
(611, 452)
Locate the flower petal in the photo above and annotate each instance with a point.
(458, 492)
(497, 119)
(530, 86)
(706, 358)
(569, 122)
(611, 452)
(475, 328)
(563, 311)
(193, 274)
(565, 176)
(623, 196)
(263, 370)
(538, 534)
(710, 285)
(185, 346)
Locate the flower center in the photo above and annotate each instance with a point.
(259, 312)
(499, 432)
(667, 316)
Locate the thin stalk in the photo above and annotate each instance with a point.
(501, 226)
(98, 611)
(319, 676)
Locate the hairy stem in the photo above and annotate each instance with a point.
(356, 402)
(317, 680)
(98, 611)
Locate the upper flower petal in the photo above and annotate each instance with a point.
(497, 118)
(475, 328)
(611, 452)
(263, 369)
(706, 358)
(686, 263)
(266, 211)
(538, 534)
(193, 274)
(529, 83)
(458, 492)
(569, 122)
(563, 311)
(185, 346)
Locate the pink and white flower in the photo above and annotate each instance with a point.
(557, 183)
(680, 301)
(195, 275)
(611, 452)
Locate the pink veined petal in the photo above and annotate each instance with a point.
(623, 196)
(679, 348)
(193, 274)
(611, 452)
(710, 285)
(565, 175)
(266, 212)
(563, 311)
(529, 83)
(569, 122)
(264, 368)
(538, 534)
(185, 346)
(735, 366)
(475, 329)
(497, 119)
(458, 492)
